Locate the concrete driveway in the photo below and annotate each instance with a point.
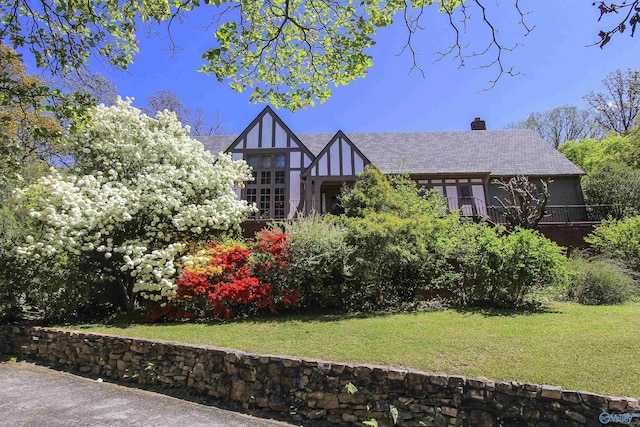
(33, 395)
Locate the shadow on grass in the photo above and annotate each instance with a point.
(528, 310)
(126, 320)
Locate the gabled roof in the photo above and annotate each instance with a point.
(505, 152)
(350, 162)
(316, 142)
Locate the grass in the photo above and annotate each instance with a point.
(593, 348)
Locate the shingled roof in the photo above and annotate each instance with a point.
(216, 144)
(505, 152)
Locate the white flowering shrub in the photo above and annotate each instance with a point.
(138, 190)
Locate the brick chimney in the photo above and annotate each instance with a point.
(478, 124)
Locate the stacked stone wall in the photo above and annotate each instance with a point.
(303, 389)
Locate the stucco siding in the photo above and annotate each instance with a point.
(562, 191)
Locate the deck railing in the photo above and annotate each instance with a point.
(473, 207)
(565, 213)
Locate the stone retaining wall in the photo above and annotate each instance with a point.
(303, 389)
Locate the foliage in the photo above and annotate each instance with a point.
(30, 139)
(318, 261)
(617, 186)
(62, 36)
(613, 171)
(375, 192)
(404, 243)
(591, 154)
(525, 203)
(618, 239)
(392, 257)
(219, 282)
(139, 188)
(485, 266)
(599, 282)
(32, 115)
(617, 108)
(287, 52)
(561, 124)
(28, 136)
(270, 255)
(325, 43)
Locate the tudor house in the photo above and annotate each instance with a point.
(304, 173)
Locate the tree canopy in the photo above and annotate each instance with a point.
(287, 52)
(28, 136)
(592, 154)
(562, 124)
(617, 107)
(613, 171)
(199, 121)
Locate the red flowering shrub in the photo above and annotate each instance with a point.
(222, 283)
(270, 259)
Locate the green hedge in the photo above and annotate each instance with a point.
(599, 282)
(619, 239)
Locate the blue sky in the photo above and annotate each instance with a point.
(557, 68)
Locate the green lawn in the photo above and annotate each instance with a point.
(593, 348)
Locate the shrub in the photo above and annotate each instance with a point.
(530, 262)
(138, 187)
(599, 282)
(393, 257)
(385, 264)
(613, 184)
(470, 256)
(486, 266)
(404, 243)
(56, 287)
(618, 239)
(218, 282)
(318, 261)
(390, 228)
(269, 258)
(396, 194)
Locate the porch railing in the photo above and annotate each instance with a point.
(473, 207)
(468, 206)
(565, 213)
(476, 208)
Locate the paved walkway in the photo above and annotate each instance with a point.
(33, 395)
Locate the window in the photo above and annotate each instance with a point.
(265, 203)
(464, 191)
(265, 177)
(251, 195)
(278, 211)
(268, 189)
